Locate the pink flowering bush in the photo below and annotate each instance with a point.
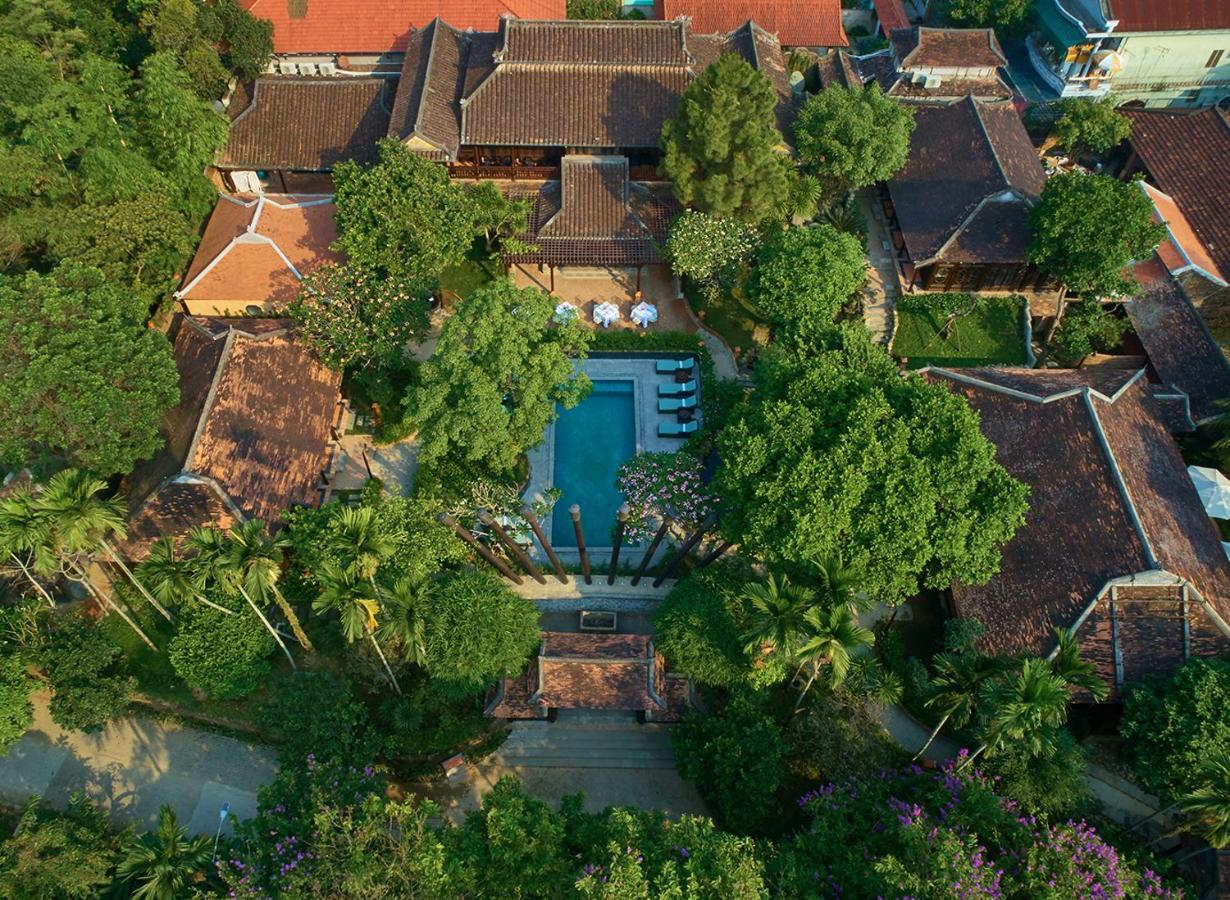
(658, 484)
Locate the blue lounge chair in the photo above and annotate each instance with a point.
(677, 429)
(674, 404)
(669, 366)
(677, 390)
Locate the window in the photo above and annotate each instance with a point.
(1214, 59)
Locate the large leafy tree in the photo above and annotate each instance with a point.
(1087, 228)
(837, 452)
(53, 854)
(1086, 328)
(490, 388)
(853, 137)
(1094, 125)
(802, 278)
(721, 149)
(84, 380)
(710, 250)
(87, 677)
(222, 656)
(1006, 15)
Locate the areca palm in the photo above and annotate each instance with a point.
(838, 581)
(164, 861)
(356, 600)
(833, 637)
(23, 535)
(776, 620)
(1209, 805)
(362, 543)
(1026, 709)
(956, 687)
(403, 621)
(171, 576)
(1073, 671)
(258, 556)
(80, 520)
(214, 562)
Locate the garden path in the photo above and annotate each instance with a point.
(883, 287)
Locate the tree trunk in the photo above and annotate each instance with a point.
(973, 756)
(931, 738)
(815, 673)
(387, 668)
(133, 578)
(83, 579)
(293, 621)
(30, 575)
(1050, 334)
(222, 609)
(277, 637)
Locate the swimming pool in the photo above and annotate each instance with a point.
(591, 441)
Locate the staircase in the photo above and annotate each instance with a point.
(586, 740)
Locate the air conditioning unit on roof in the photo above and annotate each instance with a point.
(307, 68)
(933, 81)
(327, 68)
(287, 68)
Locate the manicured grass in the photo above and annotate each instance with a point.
(728, 314)
(993, 333)
(478, 268)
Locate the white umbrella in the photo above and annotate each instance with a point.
(1214, 490)
(566, 312)
(606, 313)
(644, 313)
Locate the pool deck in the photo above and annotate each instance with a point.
(640, 371)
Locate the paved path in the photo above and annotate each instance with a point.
(883, 287)
(134, 766)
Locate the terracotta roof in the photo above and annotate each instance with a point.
(173, 511)
(1179, 345)
(257, 249)
(947, 48)
(1181, 251)
(891, 14)
(965, 155)
(309, 124)
(837, 70)
(1109, 500)
(1170, 15)
(561, 84)
(381, 26)
(1187, 155)
(795, 23)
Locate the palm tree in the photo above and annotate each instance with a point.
(23, 533)
(1076, 673)
(833, 638)
(215, 562)
(956, 686)
(164, 861)
(403, 620)
(81, 520)
(838, 581)
(362, 543)
(171, 576)
(1209, 804)
(776, 621)
(259, 557)
(356, 600)
(1026, 709)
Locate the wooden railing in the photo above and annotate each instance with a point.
(508, 173)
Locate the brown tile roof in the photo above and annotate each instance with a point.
(309, 124)
(1181, 251)
(963, 155)
(1187, 155)
(1179, 345)
(795, 24)
(1109, 498)
(837, 70)
(947, 48)
(891, 14)
(382, 26)
(173, 511)
(1170, 15)
(257, 249)
(991, 87)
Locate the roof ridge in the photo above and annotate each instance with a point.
(982, 127)
(210, 396)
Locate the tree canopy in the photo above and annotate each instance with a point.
(720, 150)
(490, 388)
(803, 276)
(1003, 15)
(1087, 228)
(837, 454)
(1087, 328)
(711, 250)
(853, 137)
(1094, 125)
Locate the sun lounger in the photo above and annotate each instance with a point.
(674, 404)
(677, 390)
(677, 429)
(667, 366)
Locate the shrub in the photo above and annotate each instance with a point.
(58, 856)
(658, 484)
(219, 655)
(86, 674)
(15, 709)
(424, 722)
(834, 739)
(316, 716)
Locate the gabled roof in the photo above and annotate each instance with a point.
(1187, 155)
(891, 14)
(795, 24)
(382, 26)
(967, 185)
(257, 249)
(309, 124)
(1181, 251)
(1170, 15)
(947, 48)
(1110, 501)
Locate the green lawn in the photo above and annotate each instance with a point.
(993, 333)
(728, 315)
(478, 268)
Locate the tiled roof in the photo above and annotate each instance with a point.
(947, 48)
(1187, 155)
(1182, 251)
(891, 14)
(1170, 15)
(381, 26)
(963, 155)
(1179, 345)
(257, 249)
(173, 511)
(309, 124)
(796, 24)
(1109, 499)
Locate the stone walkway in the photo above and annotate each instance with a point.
(883, 287)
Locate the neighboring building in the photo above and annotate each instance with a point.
(890, 16)
(815, 25)
(1116, 545)
(254, 432)
(958, 211)
(938, 64)
(1155, 52)
(288, 133)
(255, 252)
(578, 670)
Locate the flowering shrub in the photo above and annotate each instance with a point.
(657, 484)
(709, 249)
(911, 833)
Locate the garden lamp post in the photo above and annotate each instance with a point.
(222, 814)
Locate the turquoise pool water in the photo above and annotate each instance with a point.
(591, 440)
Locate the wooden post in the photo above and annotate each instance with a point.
(495, 561)
(638, 282)
(575, 512)
(528, 513)
(653, 548)
(692, 541)
(551, 268)
(521, 556)
(621, 521)
(714, 554)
